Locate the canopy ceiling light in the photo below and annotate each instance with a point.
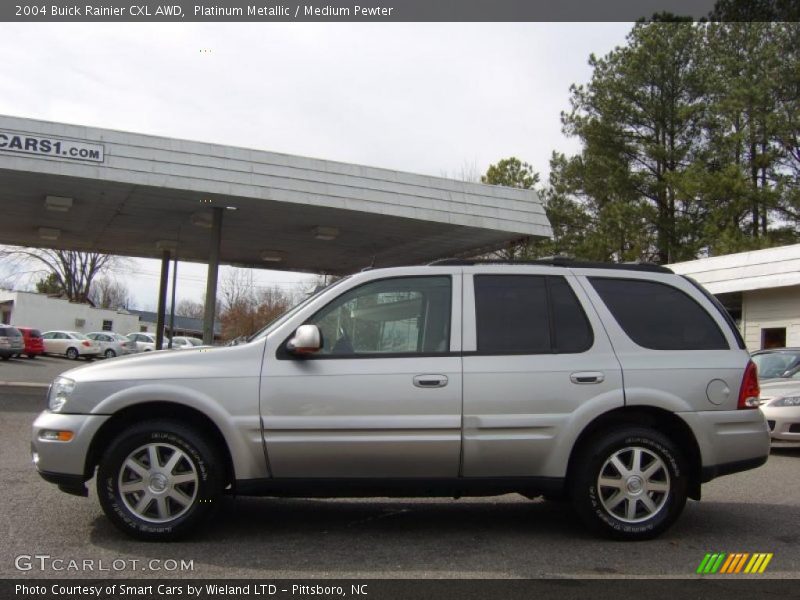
(57, 203)
(202, 219)
(49, 233)
(326, 233)
(272, 256)
(170, 245)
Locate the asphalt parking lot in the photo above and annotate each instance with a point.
(503, 537)
(39, 370)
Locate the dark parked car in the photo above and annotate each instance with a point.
(11, 343)
(32, 339)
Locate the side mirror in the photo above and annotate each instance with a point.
(306, 340)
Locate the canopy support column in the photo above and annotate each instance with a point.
(162, 299)
(211, 279)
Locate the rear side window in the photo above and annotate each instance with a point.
(659, 316)
(529, 314)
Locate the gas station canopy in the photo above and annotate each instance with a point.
(82, 188)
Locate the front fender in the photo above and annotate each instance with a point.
(238, 422)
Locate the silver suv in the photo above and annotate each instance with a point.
(619, 388)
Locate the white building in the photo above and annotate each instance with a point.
(29, 309)
(761, 290)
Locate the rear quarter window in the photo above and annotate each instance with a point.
(659, 316)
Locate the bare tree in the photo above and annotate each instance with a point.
(247, 307)
(468, 171)
(72, 272)
(107, 292)
(190, 308)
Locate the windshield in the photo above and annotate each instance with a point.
(778, 364)
(78, 336)
(287, 315)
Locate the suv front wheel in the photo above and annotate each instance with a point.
(159, 479)
(629, 483)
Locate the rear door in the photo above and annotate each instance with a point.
(674, 345)
(382, 399)
(537, 367)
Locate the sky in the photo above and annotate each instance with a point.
(439, 99)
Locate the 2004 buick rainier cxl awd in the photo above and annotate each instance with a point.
(619, 388)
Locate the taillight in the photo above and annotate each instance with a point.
(749, 392)
(87, 344)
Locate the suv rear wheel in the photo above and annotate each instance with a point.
(159, 479)
(629, 483)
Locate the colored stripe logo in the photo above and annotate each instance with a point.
(734, 563)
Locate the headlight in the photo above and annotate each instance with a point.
(60, 391)
(785, 402)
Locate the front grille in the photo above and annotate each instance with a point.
(771, 425)
(794, 428)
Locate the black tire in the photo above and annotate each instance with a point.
(72, 353)
(110, 353)
(199, 459)
(5, 357)
(31, 356)
(606, 509)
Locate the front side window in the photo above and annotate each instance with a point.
(405, 315)
(659, 316)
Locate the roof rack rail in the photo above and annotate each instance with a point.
(554, 261)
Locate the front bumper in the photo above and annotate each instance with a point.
(730, 441)
(59, 462)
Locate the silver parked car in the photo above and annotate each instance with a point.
(145, 342)
(180, 342)
(777, 363)
(622, 388)
(112, 344)
(11, 342)
(780, 403)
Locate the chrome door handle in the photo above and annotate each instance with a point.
(587, 377)
(430, 381)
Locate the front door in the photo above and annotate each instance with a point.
(382, 398)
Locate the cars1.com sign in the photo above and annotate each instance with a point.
(26, 143)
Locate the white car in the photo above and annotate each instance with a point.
(71, 344)
(145, 342)
(187, 343)
(780, 403)
(112, 344)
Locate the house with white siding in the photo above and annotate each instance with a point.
(761, 290)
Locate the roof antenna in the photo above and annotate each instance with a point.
(372, 264)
